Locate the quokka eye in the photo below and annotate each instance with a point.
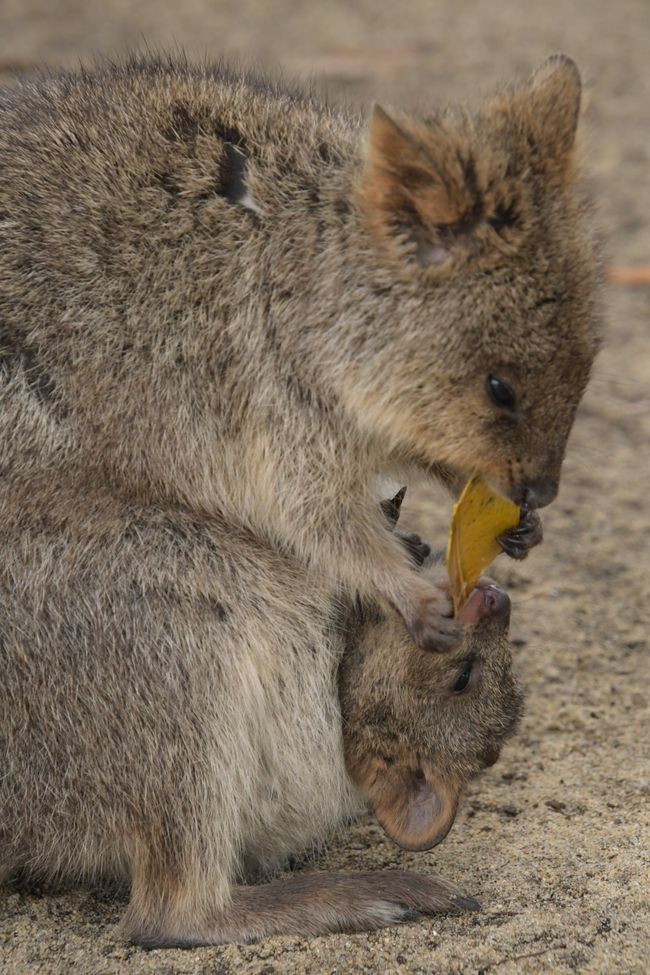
(463, 680)
(500, 393)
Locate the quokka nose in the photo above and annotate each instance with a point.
(496, 602)
(535, 494)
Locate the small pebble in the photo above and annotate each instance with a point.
(556, 804)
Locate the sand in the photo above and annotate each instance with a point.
(553, 840)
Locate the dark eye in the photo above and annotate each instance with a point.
(462, 681)
(500, 393)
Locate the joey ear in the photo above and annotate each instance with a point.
(414, 186)
(552, 110)
(417, 811)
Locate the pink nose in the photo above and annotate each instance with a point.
(486, 600)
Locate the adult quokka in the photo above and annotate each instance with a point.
(223, 297)
(182, 707)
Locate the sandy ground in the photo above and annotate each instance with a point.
(554, 840)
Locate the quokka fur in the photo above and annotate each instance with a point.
(221, 296)
(170, 716)
(225, 312)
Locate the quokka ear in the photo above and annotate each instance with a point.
(416, 187)
(551, 110)
(416, 810)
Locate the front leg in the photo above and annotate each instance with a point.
(423, 603)
(380, 565)
(346, 536)
(518, 541)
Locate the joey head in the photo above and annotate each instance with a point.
(417, 726)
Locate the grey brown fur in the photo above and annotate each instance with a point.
(219, 296)
(169, 715)
(225, 311)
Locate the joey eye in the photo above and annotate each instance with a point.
(500, 393)
(463, 680)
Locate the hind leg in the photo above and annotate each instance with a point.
(166, 912)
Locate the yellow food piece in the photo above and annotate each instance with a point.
(478, 519)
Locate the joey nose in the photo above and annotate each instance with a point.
(496, 602)
(486, 601)
(535, 494)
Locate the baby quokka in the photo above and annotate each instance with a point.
(182, 708)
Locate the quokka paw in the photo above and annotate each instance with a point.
(399, 896)
(518, 542)
(416, 549)
(432, 626)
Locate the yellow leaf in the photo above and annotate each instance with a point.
(478, 519)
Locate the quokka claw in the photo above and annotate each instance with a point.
(519, 540)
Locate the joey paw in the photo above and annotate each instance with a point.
(518, 541)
